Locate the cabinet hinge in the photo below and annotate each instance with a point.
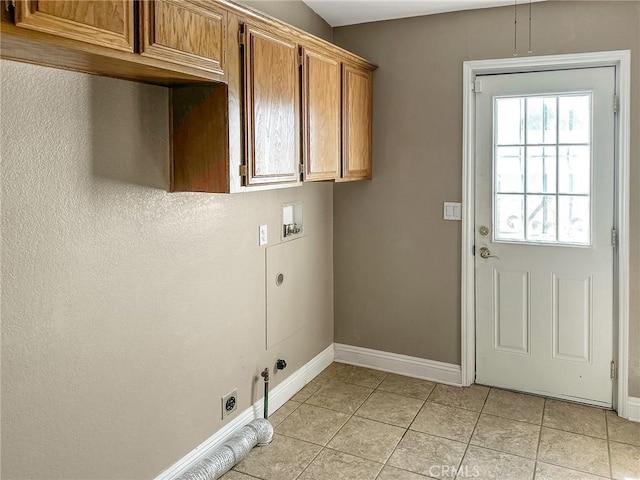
(614, 372)
(476, 86)
(300, 168)
(616, 103)
(10, 7)
(300, 59)
(243, 170)
(11, 10)
(241, 36)
(614, 237)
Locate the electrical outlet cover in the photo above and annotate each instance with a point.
(229, 403)
(262, 235)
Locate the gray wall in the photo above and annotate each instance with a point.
(397, 262)
(127, 312)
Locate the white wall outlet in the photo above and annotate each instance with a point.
(262, 236)
(229, 404)
(452, 211)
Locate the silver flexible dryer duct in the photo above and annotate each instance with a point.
(223, 458)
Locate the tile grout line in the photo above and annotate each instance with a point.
(305, 403)
(394, 450)
(535, 464)
(574, 433)
(310, 462)
(512, 419)
(416, 415)
(325, 447)
(358, 408)
(475, 426)
(606, 426)
(351, 415)
(574, 469)
(382, 464)
(406, 430)
(287, 416)
(377, 389)
(411, 423)
(385, 423)
(564, 466)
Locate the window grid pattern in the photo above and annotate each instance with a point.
(542, 169)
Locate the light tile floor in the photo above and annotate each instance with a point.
(355, 423)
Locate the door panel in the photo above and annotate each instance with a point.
(511, 311)
(356, 123)
(272, 100)
(320, 116)
(572, 305)
(544, 190)
(184, 33)
(107, 23)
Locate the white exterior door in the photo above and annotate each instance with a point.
(543, 232)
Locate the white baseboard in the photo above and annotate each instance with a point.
(633, 409)
(289, 387)
(400, 364)
(277, 397)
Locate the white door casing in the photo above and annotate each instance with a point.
(544, 193)
(621, 61)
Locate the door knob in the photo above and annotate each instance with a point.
(486, 253)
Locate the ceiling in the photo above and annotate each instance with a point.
(348, 12)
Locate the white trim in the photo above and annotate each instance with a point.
(289, 387)
(468, 298)
(633, 409)
(277, 397)
(621, 60)
(623, 70)
(400, 364)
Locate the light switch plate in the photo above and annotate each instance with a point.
(452, 211)
(262, 236)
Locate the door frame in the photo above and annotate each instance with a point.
(621, 60)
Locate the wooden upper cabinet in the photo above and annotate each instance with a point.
(185, 33)
(108, 23)
(320, 116)
(272, 108)
(357, 91)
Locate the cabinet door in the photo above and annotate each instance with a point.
(320, 116)
(272, 108)
(108, 23)
(357, 86)
(184, 33)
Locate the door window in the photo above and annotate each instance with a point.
(542, 169)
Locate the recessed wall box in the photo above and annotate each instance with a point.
(292, 220)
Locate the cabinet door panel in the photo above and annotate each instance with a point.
(320, 116)
(272, 92)
(108, 23)
(357, 117)
(181, 32)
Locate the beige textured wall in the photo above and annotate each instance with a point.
(397, 262)
(127, 312)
